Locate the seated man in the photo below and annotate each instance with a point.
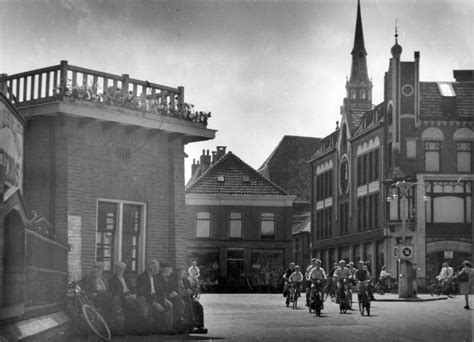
(98, 292)
(160, 309)
(135, 308)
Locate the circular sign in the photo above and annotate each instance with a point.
(406, 252)
(395, 252)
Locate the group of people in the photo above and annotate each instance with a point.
(335, 278)
(161, 301)
(465, 277)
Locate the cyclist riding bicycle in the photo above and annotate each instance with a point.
(317, 274)
(362, 276)
(286, 276)
(342, 273)
(296, 278)
(445, 275)
(308, 280)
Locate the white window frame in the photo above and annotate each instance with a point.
(117, 246)
(197, 219)
(235, 220)
(264, 219)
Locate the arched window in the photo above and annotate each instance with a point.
(353, 94)
(363, 94)
(344, 135)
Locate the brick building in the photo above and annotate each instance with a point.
(104, 163)
(287, 166)
(397, 174)
(239, 222)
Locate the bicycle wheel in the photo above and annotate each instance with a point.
(361, 308)
(295, 300)
(96, 322)
(367, 307)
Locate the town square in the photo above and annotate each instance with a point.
(236, 170)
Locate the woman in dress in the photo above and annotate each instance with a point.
(466, 281)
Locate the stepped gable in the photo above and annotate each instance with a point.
(238, 178)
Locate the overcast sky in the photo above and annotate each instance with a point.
(264, 69)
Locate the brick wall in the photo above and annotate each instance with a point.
(101, 160)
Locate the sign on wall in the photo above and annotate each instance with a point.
(448, 254)
(11, 150)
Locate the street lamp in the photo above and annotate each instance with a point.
(405, 277)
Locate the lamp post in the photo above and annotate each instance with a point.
(405, 276)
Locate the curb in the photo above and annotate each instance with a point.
(416, 299)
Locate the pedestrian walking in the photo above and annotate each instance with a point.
(466, 281)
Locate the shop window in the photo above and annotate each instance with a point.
(267, 226)
(450, 202)
(267, 268)
(235, 225)
(464, 152)
(203, 224)
(118, 236)
(432, 156)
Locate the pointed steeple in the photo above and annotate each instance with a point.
(359, 62)
(359, 86)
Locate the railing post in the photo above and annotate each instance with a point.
(181, 95)
(3, 84)
(63, 79)
(125, 81)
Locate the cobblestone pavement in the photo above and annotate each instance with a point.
(264, 317)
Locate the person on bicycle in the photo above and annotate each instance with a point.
(286, 276)
(317, 274)
(362, 277)
(193, 270)
(296, 278)
(445, 275)
(340, 274)
(308, 280)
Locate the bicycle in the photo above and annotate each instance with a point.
(364, 298)
(439, 287)
(330, 291)
(83, 313)
(316, 297)
(293, 294)
(345, 297)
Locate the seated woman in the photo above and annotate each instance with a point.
(135, 309)
(98, 292)
(188, 312)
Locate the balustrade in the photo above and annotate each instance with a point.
(57, 82)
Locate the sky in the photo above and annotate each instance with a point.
(264, 69)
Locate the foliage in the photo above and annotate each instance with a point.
(114, 96)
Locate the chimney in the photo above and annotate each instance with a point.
(205, 160)
(195, 166)
(220, 151)
(214, 157)
(463, 75)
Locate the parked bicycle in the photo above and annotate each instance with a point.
(83, 314)
(388, 285)
(364, 298)
(316, 297)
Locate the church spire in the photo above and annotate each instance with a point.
(359, 86)
(359, 62)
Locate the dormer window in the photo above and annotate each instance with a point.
(448, 99)
(246, 179)
(220, 179)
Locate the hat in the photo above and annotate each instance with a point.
(342, 261)
(318, 261)
(120, 265)
(99, 264)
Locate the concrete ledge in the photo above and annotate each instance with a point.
(420, 298)
(32, 328)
